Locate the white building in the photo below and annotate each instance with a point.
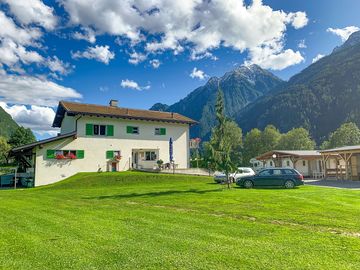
(106, 138)
(309, 163)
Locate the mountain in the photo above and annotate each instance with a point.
(241, 86)
(159, 107)
(7, 124)
(320, 98)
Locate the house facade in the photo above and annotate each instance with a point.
(309, 163)
(97, 138)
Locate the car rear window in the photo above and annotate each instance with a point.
(288, 172)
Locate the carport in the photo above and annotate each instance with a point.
(347, 160)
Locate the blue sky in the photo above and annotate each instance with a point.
(142, 52)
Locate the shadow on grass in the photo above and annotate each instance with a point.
(267, 187)
(153, 194)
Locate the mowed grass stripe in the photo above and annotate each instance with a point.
(173, 222)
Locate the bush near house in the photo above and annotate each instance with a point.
(135, 220)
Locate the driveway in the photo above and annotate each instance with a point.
(334, 183)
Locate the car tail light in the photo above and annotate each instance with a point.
(301, 177)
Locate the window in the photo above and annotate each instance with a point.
(113, 154)
(288, 172)
(277, 172)
(160, 131)
(150, 156)
(288, 163)
(265, 173)
(271, 163)
(99, 130)
(65, 154)
(304, 162)
(132, 130)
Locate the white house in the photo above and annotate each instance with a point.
(310, 163)
(106, 138)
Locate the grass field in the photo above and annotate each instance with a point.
(150, 221)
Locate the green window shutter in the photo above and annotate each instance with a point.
(109, 130)
(162, 131)
(129, 129)
(89, 129)
(109, 154)
(80, 154)
(50, 154)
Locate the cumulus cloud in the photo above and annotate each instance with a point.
(133, 85)
(198, 25)
(197, 73)
(32, 11)
(343, 33)
(37, 118)
(136, 58)
(58, 66)
(23, 36)
(87, 34)
(155, 63)
(99, 53)
(318, 57)
(11, 53)
(29, 90)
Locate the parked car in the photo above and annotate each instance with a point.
(239, 173)
(286, 177)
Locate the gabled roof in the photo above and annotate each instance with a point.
(294, 153)
(117, 112)
(32, 145)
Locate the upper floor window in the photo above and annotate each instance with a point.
(160, 131)
(132, 130)
(99, 130)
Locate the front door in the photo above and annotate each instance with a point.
(113, 166)
(136, 159)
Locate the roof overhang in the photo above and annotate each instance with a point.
(342, 150)
(285, 154)
(30, 146)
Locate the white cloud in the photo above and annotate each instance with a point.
(133, 85)
(155, 63)
(274, 59)
(58, 66)
(343, 33)
(298, 20)
(11, 53)
(23, 36)
(136, 58)
(198, 56)
(189, 24)
(37, 118)
(88, 34)
(99, 53)
(32, 11)
(197, 73)
(318, 57)
(33, 91)
(302, 44)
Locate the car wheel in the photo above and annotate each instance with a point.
(248, 184)
(289, 184)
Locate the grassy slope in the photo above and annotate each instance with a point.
(136, 220)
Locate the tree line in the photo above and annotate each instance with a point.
(20, 136)
(228, 148)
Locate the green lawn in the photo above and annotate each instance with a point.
(150, 221)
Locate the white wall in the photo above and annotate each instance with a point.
(95, 147)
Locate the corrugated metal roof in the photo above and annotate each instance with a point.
(125, 113)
